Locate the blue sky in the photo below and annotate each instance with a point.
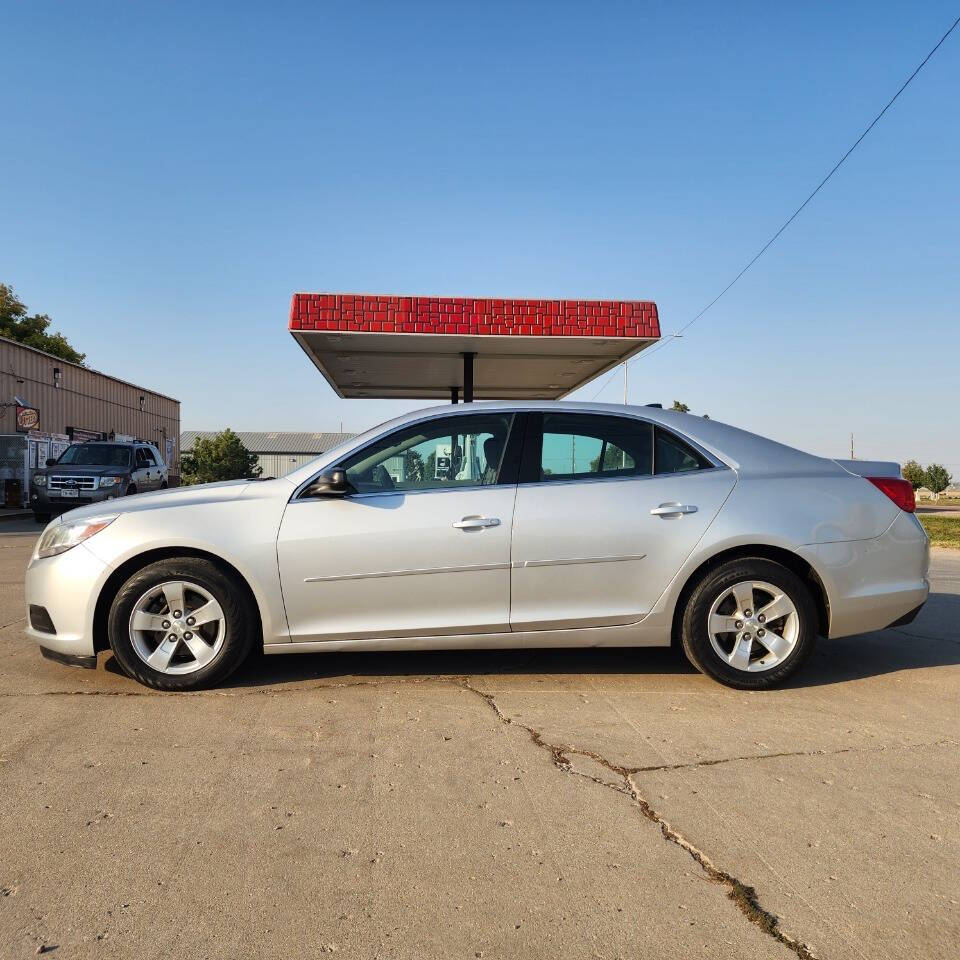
(172, 172)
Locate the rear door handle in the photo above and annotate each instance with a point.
(672, 509)
(475, 523)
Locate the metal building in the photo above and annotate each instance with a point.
(277, 453)
(47, 403)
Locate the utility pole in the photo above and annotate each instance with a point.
(852, 457)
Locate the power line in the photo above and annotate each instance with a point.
(793, 216)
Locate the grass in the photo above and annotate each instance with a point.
(942, 531)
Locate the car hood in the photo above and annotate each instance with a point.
(175, 497)
(71, 470)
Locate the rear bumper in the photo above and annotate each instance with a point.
(906, 618)
(874, 584)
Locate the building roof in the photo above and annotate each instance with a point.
(80, 366)
(270, 442)
(369, 345)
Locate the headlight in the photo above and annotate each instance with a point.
(109, 481)
(39, 480)
(60, 537)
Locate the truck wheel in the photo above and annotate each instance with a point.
(181, 624)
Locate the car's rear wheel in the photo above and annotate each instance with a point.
(181, 624)
(749, 623)
(131, 490)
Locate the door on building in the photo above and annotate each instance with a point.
(420, 546)
(649, 497)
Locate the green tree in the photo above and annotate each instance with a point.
(680, 407)
(913, 472)
(936, 478)
(221, 457)
(16, 324)
(413, 470)
(613, 459)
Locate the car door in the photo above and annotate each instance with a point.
(159, 468)
(143, 470)
(607, 510)
(420, 546)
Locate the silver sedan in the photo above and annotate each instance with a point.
(487, 526)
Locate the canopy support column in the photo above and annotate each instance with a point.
(454, 394)
(468, 377)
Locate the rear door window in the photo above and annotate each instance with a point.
(588, 446)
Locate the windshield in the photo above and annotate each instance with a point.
(96, 455)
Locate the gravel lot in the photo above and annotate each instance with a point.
(523, 804)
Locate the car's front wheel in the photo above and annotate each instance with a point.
(749, 623)
(181, 624)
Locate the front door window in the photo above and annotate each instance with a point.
(464, 451)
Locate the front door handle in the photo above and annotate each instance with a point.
(475, 523)
(672, 509)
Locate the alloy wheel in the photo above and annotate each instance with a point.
(177, 627)
(753, 626)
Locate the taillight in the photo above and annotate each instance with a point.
(898, 490)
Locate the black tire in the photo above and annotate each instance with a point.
(41, 518)
(695, 634)
(163, 486)
(239, 612)
(130, 491)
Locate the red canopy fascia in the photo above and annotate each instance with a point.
(371, 345)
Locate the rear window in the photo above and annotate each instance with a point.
(673, 455)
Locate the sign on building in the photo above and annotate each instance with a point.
(28, 418)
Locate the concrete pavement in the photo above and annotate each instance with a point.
(523, 804)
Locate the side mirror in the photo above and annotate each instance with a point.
(51, 461)
(333, 484)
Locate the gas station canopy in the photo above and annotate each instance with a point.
(368, 345)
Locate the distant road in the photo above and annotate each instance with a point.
(946, 510)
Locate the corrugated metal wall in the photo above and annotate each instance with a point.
(277, 464)
(85, 399)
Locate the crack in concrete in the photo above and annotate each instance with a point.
(744, 896)
(3, 626)
(921, 636)
(789, 753)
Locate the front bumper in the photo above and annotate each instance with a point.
(67, 586)
(872, 584)
(46, 501)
